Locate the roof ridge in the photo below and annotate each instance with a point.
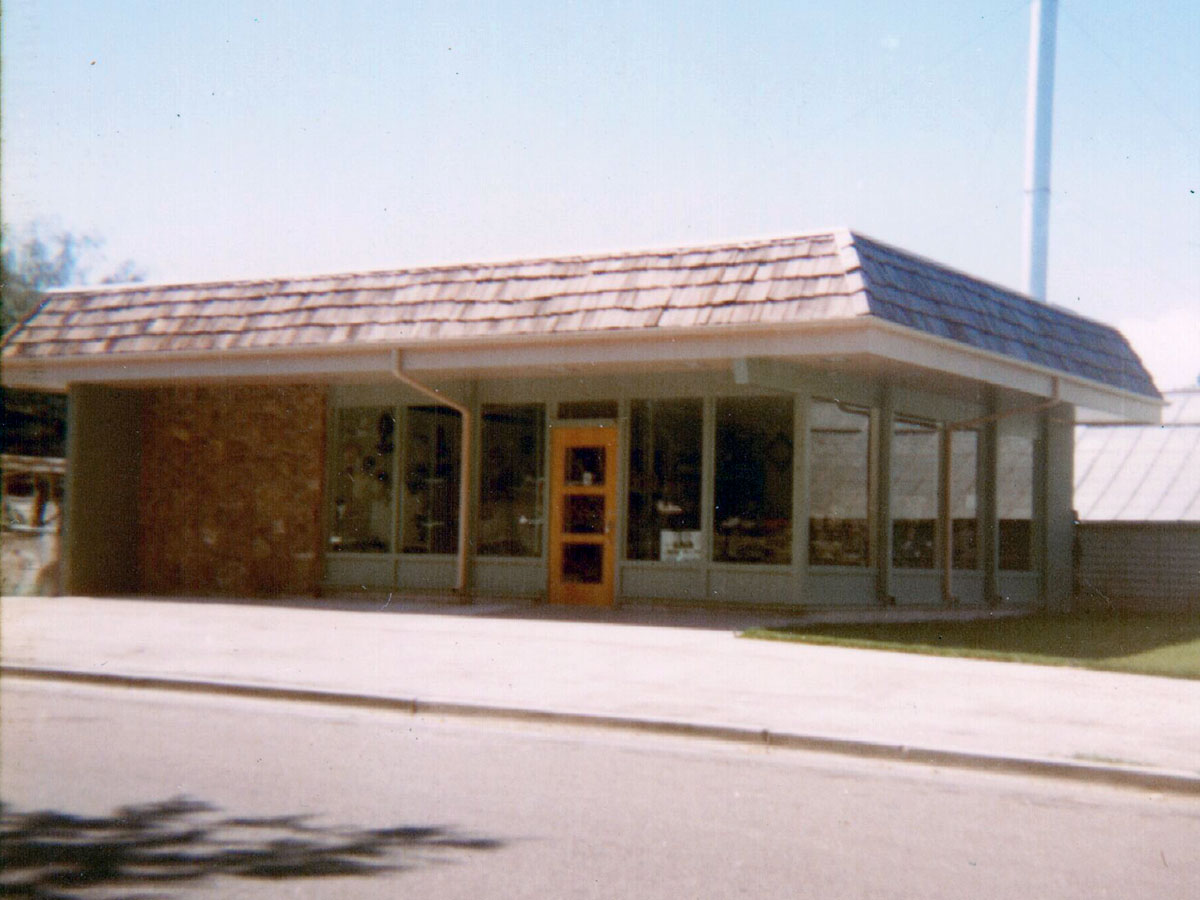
(663, 252)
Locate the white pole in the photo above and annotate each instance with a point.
(1038, 120)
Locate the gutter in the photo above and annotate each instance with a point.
(464, 474)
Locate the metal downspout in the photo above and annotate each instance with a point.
(464, 474)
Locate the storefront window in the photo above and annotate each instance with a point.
(364, 459)
(839, 484)
(430, 498)
(964, 503)
(914, 497)
(665, 447)
(752, 501)
(512, 474)
(1014, 501)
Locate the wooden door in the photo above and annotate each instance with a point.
(583, 515)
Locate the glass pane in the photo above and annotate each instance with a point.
(513, 474)
(964, 454)
(588, 409)
(364, 453)
(584, 514)
(665, 447)
(429, 501)
(583, 563)
(839, 484)
(585, 466)
(1014, 501)
(752, 500)
(914, 494)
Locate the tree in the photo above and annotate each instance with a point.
(31, 262)
(38, 258)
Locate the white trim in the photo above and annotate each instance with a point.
(594, 352)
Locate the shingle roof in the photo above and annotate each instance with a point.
(1145, 473)
(825, 276)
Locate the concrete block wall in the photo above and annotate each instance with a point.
(230, 490)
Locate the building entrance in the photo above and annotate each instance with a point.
(583, 515)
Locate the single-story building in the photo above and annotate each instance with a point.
(820, 419)
(1137, 495)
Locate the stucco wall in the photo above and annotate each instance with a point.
(230, 490)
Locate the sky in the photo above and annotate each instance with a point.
(216, 139)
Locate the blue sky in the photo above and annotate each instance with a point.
(222, 139)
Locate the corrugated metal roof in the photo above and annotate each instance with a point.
(1147, 473)
(826, 276)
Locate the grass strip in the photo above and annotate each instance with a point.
(1145, 644)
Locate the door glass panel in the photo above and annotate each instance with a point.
(583, 563)
(584, 514)
(585, 466)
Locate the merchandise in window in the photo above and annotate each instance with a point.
(752, 503)
(839, 484)
(1014, 501)
(665, 448)
(512, 477)
(964, 503)
(430, 497)
(914, 498)
(364, 459)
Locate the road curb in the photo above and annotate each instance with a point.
(1094, 773)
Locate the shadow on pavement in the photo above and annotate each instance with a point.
(141, 850)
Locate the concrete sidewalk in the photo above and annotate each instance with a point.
(659, 670)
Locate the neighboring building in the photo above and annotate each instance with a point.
(32, 470)
(820, 420)
(1137, 495)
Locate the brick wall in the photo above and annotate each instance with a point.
(230, 490)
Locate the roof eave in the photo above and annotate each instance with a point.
(510, 355)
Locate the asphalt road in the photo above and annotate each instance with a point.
(248, 798)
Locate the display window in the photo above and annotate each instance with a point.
(364, 452)
(1014, 501)
(964, 498)
(914, 495)
(839, 484)
(665, 449)
(512, 480)
(752, 496)
(430, 498)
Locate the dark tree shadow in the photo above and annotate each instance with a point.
(50, 855)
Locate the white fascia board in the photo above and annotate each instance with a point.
(285, 364)
(625, 348)
(644, 348)
(1094, 402)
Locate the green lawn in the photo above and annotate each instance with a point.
(1122, 642)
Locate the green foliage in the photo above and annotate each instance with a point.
(37, 258)
(1149, 644)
